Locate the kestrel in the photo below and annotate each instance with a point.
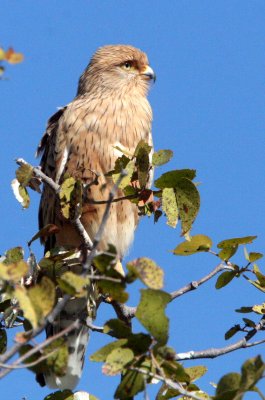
(110, 110)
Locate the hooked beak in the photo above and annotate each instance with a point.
(149, 73)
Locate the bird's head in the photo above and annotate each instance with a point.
(118, 68)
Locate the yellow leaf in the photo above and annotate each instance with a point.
(26, 306)
(14, 271)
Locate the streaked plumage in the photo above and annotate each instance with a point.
(110, 109)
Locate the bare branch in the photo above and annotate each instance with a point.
(28, 365)
(195, 284)
(40, 346)
(93, 327)
(104, 220)
(82, 232)
(124, 312)
(216, 352)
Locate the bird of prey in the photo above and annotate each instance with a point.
(110, 110)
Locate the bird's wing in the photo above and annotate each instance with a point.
(47, 149)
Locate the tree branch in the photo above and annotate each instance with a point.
(40, 346)
(168, 382)
(126, 313)
(216, 352)
(104, 220)
(195, 284)
(37, 171)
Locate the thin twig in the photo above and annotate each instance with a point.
(115, 200)
(104, 220)
(126, 313)
(195, 284)
(216, 352)
(37, 171)
(82, 232)
(31, 364)
(40, 346)
(168, 382)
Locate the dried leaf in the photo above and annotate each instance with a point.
(12, 57)
(48, 230)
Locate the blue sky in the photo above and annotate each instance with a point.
(208, 103)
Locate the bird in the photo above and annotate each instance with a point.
(109, 114)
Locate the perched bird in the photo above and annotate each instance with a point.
(110, 109)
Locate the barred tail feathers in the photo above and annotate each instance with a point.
(77, 341)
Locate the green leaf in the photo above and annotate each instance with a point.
(60, 395)
(257, 284)
(224, 279)
(114, 289)
(196, 372)
(249, 322)
(26, 306)
(132, 383)
(14, 255)
(142, 162)
(188, 200)
(117, 328)
(129, 168)
(13, 272)
(226, 253)
(161, 157)
(236, 241)
(252, 372)
(102, 354)
(261, 278)
(73, 284)
(232, 331)
(198, 243)
(171, 179)
(37, 302)
(175, 371)
(147, 271)
(57, 361)
(254, 257)
(71, 198)
(139, 343)
(228, 386)
(24, 174)
(244, 310)
(42, 296)
(151, 313)
(117, 360)
(3, 341)
(170, 207)
(166, 393)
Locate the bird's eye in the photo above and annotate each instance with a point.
(127, 65)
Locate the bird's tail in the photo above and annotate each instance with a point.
(77, 340)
